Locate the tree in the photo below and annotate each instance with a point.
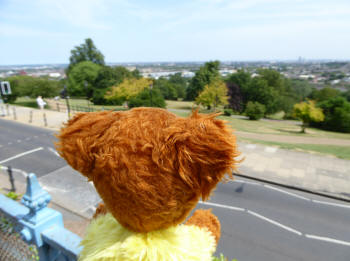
(147, 98)
(128, 89)
(82, 78)
(337, 115)
(213, 94)
(258, 90)
(301, 88)
(237, 84)
(23, 85)
(179, 83)
(307, 112)
(324, 94)
(166, 88)
(204, 76)
(85, 52)
(255, 110)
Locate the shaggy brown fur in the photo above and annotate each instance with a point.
(206, 219)
(149, 166)
(100, 210)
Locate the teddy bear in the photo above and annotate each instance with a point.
(150, 168)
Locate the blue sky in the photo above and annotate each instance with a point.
(44, 31)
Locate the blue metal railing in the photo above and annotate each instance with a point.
(39, 225)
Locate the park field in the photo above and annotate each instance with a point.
(280, 133)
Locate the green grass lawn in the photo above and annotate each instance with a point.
(342, 152)
(287, 128)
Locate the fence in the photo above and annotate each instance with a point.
(40, 227)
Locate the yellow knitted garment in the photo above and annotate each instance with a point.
(107, 240)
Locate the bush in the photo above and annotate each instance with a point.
(337, 115)
(147, 98)
(228, 112)
(255, 110)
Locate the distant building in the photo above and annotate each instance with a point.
(54, 75)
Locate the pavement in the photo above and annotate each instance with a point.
(321, 174)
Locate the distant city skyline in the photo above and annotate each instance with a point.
(44, 31)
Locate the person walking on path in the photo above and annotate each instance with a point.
(41, 103)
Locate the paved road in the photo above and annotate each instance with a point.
(28, 148)
(259, 222)
(263, 222)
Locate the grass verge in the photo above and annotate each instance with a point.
(342, 152)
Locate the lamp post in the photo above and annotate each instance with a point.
(64, 95)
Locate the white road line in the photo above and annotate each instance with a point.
(243, 181)
(18, 141)
(327, 239)
(293, 195)
(275, 223)
(330, 203)
(21, 154)
(286, 192)
(10, 143)
(53, 151)
(221, 206)
(0, 146)
(35, 136)
(15, 170)
(27, 138)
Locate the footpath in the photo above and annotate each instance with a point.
(320, 174)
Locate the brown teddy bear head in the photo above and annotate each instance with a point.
(149, 166)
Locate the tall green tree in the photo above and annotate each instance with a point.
(85, 52)
(82, 78)
(237, 84)
(258, 90)
(179, 83)
(204, 76)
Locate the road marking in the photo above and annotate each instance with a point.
(295, 195)
(21, 154)
(330, 203)
(15, 170)
(221, 206)
(53, 151)
(327, 239)
(0, 146)
(53, 189)
(275, 223)
(18, 141)
(28, 138)
(286, 192)
(35, 136)
(248, 182)
(10, 143)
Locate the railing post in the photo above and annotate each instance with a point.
(12, 180)
(39, 218)
(14, 113)
(45, 119)
(30, 116)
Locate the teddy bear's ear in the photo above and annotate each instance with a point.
(202, 150)
(77, 139)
